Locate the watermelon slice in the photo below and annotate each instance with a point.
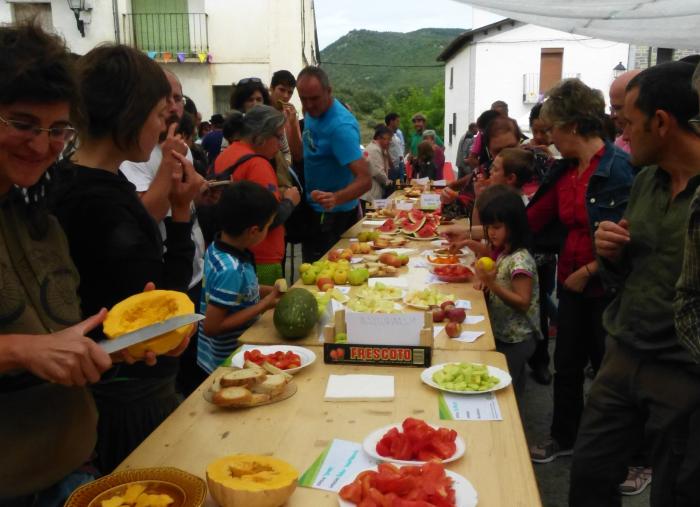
(416, 215)
(404, 222)
(411, 228)
(388, 226)
(427, 231)
(402, 214)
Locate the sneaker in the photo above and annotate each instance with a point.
(548, 451)
(638, 478)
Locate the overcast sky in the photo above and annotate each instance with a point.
(335, 18)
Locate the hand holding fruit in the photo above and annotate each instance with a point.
(486, 270)
(292, 193)
(327, 200)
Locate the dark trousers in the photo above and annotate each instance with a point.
(580, 339)
(325, 230)
(546, 275)
(517, 355)
(634, 395)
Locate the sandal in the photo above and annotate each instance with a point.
(638, 478)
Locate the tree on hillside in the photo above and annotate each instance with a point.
(408, 101)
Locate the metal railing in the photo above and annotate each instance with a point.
(167, 32)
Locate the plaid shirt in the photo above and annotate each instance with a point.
(687, 304)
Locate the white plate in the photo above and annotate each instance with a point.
(369, 444)
(427, 377)
(413, 238)
(306, 355)
(465, 494)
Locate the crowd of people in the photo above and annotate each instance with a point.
(111, 185)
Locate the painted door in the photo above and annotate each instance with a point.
(161, 25)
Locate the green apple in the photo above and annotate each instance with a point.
(308, 277)
(304, 267)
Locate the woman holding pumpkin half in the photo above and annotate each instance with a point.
(114, 242)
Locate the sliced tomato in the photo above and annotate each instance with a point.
(351, 492)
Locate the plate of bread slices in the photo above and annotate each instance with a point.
(250, 386)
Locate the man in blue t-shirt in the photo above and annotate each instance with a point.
(335, 171)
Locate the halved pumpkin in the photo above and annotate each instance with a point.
(148, 308)
(248, 480)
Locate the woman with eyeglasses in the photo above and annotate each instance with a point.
(114, 241)
(49, 420)
(258, 134)
(589, 185)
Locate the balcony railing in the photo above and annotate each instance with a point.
(531, 86)
(167, 32)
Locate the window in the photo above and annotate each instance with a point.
(23, 12)
(550, 67)
(454, 123)
(664, 55)
(222, 96)
(452, 77)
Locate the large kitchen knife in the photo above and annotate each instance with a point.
(148, 332)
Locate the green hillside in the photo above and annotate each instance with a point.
(375, 72)
(387, 50)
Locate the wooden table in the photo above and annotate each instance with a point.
(297, 430)
(264, 332)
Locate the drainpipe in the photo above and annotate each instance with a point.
(115, 12)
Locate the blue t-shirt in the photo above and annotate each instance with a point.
(229, 282)
(211, 143)
(331, 143)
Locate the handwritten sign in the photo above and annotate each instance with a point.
(430, 201)
(404, 205)
(475, 407)
(380, 203)
(384, 328)
(337, 465)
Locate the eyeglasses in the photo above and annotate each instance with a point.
(694, 123)
(28, 130)
(249, 80)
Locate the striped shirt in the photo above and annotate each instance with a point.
(687, 304)
(230, 283)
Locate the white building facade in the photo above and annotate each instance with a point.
(517, 63)
(208, 44)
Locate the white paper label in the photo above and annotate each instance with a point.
(384, 328)
(380, 203)
(404, 205)
(474, 407)
(430, 201)
(337, 466)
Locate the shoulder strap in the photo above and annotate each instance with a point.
(226, 175)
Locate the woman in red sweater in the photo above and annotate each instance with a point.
(258, 134)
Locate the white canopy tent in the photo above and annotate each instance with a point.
(659, 23)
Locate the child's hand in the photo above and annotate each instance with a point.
(272, 297)
(486, 277)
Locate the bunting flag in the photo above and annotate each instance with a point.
(181, 57)
(209, 58)
(167, 56)
(152, 55)
(203, 57)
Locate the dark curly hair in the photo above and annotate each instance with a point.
(244, 89)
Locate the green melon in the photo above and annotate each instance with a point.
(296, 313)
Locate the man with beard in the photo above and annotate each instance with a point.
(153, 181)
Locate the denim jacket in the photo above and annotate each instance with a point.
(607, 193)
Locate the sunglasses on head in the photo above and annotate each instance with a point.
(249, 80)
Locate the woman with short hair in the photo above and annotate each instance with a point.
(113, 239)
(591, 184)
(257, 136)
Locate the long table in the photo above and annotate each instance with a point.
(298, 429)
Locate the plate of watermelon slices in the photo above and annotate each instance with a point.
(418, 225)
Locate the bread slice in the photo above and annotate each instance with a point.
(254, 366)
(271, 368)
(245, 377)
(272, 385)
(256, 399)
(232, 396)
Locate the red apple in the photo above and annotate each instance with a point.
(453, 329)
(438, 315)
(456, 315)
(334, 255)
(447, 305)
(324, 284)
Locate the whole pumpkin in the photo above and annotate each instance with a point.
(296, 313)
(148, 308)
(247, 480)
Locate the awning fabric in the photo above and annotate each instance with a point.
(658, 23)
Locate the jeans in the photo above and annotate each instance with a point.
(546, 274)
(635, 395)
(580, 339)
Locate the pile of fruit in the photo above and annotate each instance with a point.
(326, 274)
(453, 273)
(454, 316)
(426, 298)
(377, 299)
(138, 496)
(415, 486)
(282, 360)
(323, 298)
(414, 223)
(418, 442)
(389, 242)
(465, 377)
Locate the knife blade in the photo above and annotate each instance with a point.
(148, 332)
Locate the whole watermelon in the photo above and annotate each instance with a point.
(296, 313)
